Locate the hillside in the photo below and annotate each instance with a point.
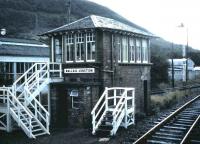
(27, 18)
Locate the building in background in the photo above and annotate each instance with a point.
(97, 52)
(17, 56)
(179, 69)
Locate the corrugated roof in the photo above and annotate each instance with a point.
(23, 47)
(94, 21)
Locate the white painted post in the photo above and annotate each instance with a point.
(60, 67)
(126, 113)
(8, 119)
(115, 98)
(106, 99)
(93, 123)
(133, 104)
(49, 103)
(4, 94)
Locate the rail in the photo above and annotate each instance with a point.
(164, 121)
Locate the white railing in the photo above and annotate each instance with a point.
(55, 70)
(26, 88)
(20, 113)
(114, 100)
(99, 110)
(38, 111)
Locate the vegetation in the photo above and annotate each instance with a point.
(28, 18)
(162, 102)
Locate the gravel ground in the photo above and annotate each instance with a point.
(83, 136)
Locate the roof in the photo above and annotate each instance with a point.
(94, 21)
(23, 47)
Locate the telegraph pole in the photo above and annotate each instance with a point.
(172, 65)
(68, 4)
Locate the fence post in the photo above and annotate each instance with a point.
(106, 98)
(115, 97)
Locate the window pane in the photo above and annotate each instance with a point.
(119, 48)
(138, 47)
(90, 46)
(145, 50)
(125, 49)
(69, 48)
(80, 47)
(132, 49)
(58, 51)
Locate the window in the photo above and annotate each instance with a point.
(138, 50)
(125, 49)
(119, 49)
(79, 53)
(58, 52)
(69, 48)
(145, 51)
(90, 47)
(132, 49)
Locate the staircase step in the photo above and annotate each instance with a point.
(39, 134)
(36, 130)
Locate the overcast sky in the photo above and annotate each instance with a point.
(162, 17)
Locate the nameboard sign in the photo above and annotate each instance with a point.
(79, 70)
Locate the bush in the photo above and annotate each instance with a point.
(162, 102)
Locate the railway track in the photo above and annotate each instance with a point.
(181, 127)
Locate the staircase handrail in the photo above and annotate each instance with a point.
(38, 102)
(14, 101)
(38, 72)
(39, 112)
(118, 108)
(18, 102)
(95, 122)
(14, 86)
(99, 101)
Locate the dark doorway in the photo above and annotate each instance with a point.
(145, 96)
(59, 110)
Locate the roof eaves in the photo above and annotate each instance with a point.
(57, 29)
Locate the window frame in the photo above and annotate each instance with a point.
(69, 46)
(79, 46)
(125, 49)
(145, 56)
(132, 48)
(138, 50)
(90, 40)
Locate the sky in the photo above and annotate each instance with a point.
(162, 17)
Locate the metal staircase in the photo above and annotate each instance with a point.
(116, 107)
(23, 99)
